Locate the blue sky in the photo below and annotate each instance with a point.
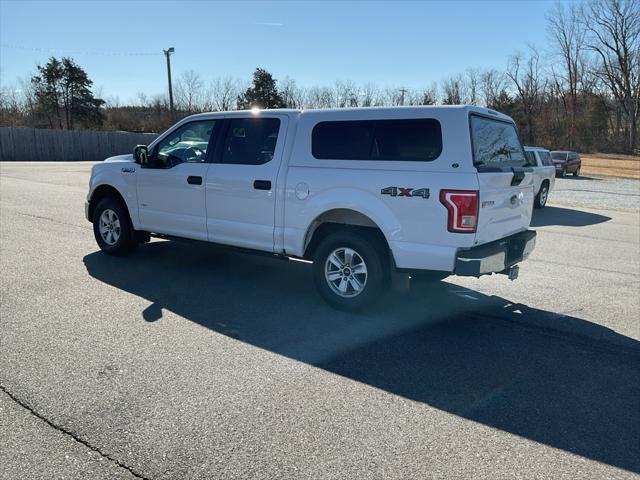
(409, 44)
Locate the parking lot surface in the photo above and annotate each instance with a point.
(185, 361)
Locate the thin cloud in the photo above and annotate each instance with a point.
(270, 24)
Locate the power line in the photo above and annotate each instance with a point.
(77, 52)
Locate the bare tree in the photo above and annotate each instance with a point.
(452, 89)
(429, 95)
(525, 76)
(292, 95)
(222, 94)
(319, 97)
(12, 105)
(613, 28)
(472, 81)
(370, 95)
(492, 83)
(189, 91)
(346, 94)
(568, 35)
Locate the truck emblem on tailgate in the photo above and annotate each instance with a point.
(128, 170)
(405, 192)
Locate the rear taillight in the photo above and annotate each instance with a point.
(462, 206)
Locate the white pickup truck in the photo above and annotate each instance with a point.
(544, 173)
(364, 193)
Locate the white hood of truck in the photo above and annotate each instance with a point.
(121, 158)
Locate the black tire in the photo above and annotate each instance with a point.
(562, 173)
(542, 196)
(125, 241)
(373, 254)
(422, 277)
(576, 173)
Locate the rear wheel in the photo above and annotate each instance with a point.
(350, 270)
(577, 172)
(541, 197)
(112, 227)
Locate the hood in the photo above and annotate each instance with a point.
(121, 158)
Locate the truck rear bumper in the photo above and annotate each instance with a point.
(497, 256)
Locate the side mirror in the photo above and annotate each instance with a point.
(141, 154)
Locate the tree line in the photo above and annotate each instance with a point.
(582, 92)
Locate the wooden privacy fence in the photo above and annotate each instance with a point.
(46, 145)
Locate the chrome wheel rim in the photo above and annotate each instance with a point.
(109, 227)
(543, 195)
(346, 272)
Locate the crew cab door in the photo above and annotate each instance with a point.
(241, 183)
(505, 181)
(171, 186)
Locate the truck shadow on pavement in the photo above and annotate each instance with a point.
(568, 217)
(558, 380)
(581, 177)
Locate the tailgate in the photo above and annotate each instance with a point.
(504, 209)
(505, 179)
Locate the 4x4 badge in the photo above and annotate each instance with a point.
(405, 192)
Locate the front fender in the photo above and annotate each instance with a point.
(123, 182)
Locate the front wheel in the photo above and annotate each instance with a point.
(562, 173)
(541, 197)
(112, 227)
(350, 271)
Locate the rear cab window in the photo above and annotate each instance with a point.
(413, 140)
(495, 144)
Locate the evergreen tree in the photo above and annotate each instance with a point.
(263, 93)
(63, 95)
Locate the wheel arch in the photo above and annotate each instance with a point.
(337, 219)
(103, 191)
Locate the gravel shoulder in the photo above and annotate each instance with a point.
(597, 192)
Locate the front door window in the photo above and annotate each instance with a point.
(187, 144)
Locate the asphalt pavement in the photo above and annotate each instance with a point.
(190, 361)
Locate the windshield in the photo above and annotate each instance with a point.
(495, 143)
(559, 155)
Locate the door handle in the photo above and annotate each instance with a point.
(194, 180)
(262, 184)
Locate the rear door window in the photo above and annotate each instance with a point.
(250, 141)
(495, 144)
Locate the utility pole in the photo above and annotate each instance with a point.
(402, 92)
(167, 54)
